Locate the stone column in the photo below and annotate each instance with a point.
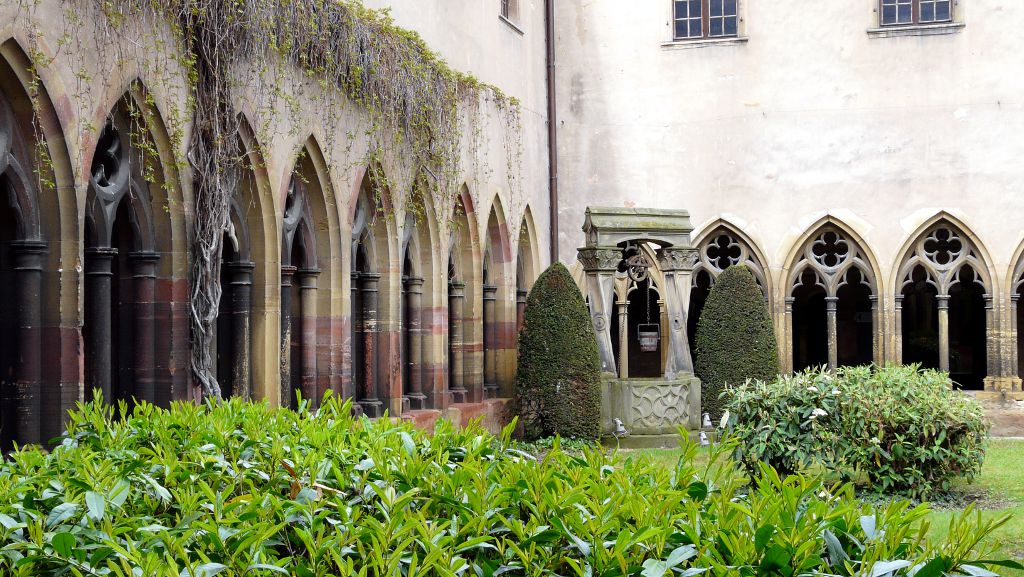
(521, 295)
(788, 344)
(99, 276)
(876, 333)
(599, 264)
(240, 279)
(414, 354)
(287, 272)
(369, 397)
(993, 370)
(144, 310)
(1014, 338)
(457, 364)
(28, 378)
(490, 375)
(308, 342)
(355, 335)
(623, 338)
(677, 265)
(943, 304)
(831, 304)
(898, 333)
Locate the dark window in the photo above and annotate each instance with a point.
(705, 19)
(897, 12)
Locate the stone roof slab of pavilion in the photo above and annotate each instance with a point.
(609, 227)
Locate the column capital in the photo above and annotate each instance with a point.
(600, 258)
(678, 258)
(144, 263)
(942, 301)
(369, 281)
(287, 272)
(456, 289)
(101, 261)
(308, 277)
(29, 246)
(490, 292)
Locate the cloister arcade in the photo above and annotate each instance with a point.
(404, 312)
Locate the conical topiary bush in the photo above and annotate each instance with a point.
(558, 383)
(735, 337)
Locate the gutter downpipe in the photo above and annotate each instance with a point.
(549, 21)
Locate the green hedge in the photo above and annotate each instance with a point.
(241, 489)
(894, 429)
(558, 381)
(735, 338)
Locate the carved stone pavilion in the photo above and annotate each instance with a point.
(637, 267)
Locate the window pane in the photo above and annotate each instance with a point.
(906, 14)
(716, 27)
(942, 11)
(695, 31)
(888, 14)
(730, 7)
(716, 8)
(695, 8)
(730, 26)
(680, 10)
(927, 12)
(681, 29)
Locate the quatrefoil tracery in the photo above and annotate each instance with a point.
(835, 261)
(940, 258)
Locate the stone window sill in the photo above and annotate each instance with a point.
(916, 30)
(703, 42)
(511, 25)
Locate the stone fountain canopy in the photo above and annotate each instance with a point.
(608, 227)
(654, 407)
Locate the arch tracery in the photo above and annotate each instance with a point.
(944, 304)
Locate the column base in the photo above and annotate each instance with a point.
(372, 408)
(458, 396)
(491, 391)
(414, 402)
(1008, 384)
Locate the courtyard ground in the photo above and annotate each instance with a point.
(997, 491)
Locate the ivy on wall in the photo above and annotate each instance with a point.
(335, 57)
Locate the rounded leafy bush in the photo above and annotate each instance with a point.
(894, 429)
(238, 489)
(558, 382)
(735, 337)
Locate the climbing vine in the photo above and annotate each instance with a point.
(280, 57)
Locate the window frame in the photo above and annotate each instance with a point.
(915, 15)
(705, 23)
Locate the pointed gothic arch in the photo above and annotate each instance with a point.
(38, 236)
(720, 246)
(422, 358)
(497, 321)
(527, 265)
(464, 283)
(831, 294)
(135, 247)
(375, 298)
(246, 282)
(944, 302)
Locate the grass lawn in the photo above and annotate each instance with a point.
(997, 491)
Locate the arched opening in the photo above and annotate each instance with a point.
(125, 351)
(942, 306)
(413, 394)
(830, 309)
(699, 290)
(810, 323)
(234, 318)
(299, 295)
(496, 318)
(375, 379)
(465, 374)
(920, 320)
(723, 248)
(644, 312)
(855, 321)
